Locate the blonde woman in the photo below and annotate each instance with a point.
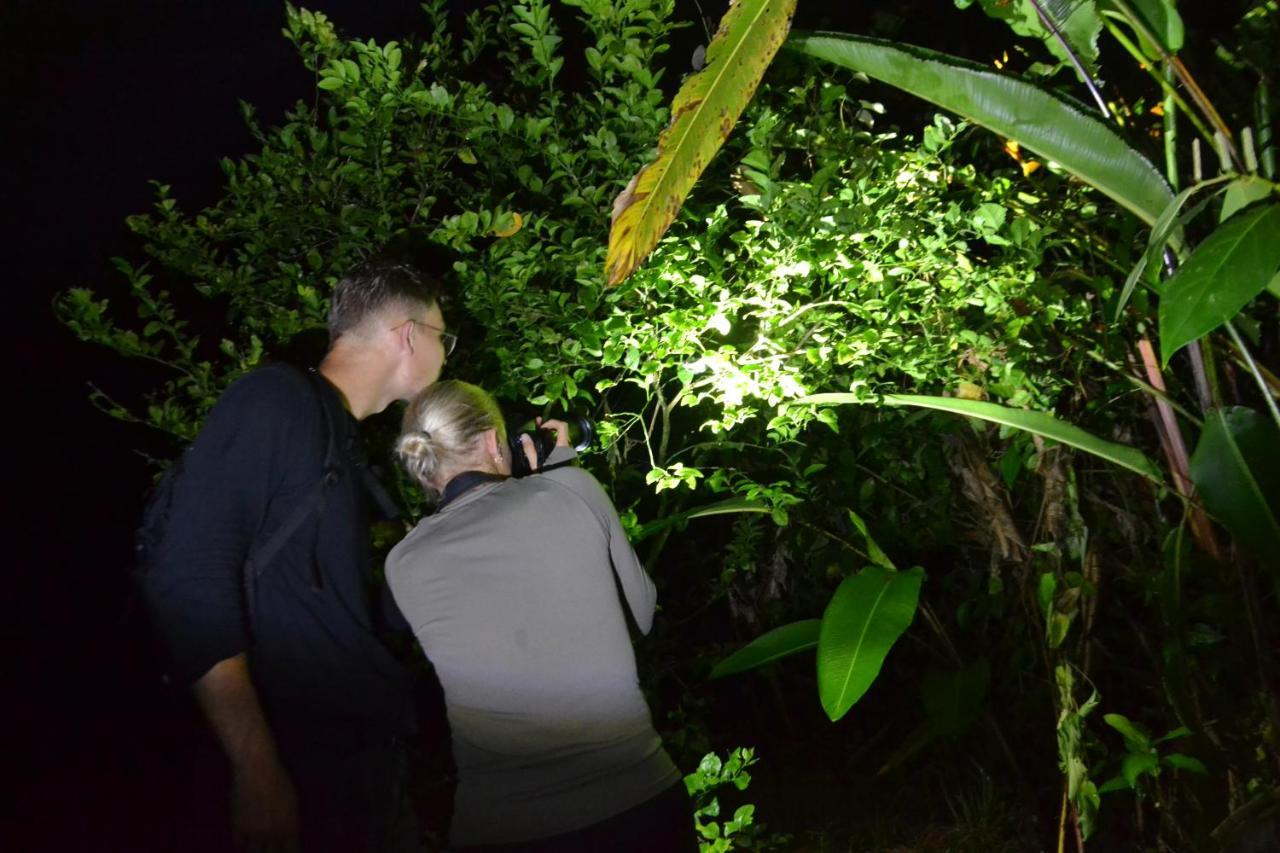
(515, 589)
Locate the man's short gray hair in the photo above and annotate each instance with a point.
(375, 286)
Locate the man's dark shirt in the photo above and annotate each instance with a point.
(321, 672)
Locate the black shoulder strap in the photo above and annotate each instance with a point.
(262, 552)
(464, 482)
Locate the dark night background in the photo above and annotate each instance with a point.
(100, 98)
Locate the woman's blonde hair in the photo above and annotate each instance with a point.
(439, 431)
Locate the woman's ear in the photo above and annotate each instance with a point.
(493, 451)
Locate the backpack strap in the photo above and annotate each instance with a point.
(262, 552)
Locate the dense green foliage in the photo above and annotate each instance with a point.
(822, 252)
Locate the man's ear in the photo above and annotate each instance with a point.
(405, 341)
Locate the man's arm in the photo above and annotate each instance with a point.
(264, 808)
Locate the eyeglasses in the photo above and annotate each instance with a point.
(447, 339)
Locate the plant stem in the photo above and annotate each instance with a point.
(1208, 395)
(1175, 451)
(1081, 71)
(1266, 131)
(1184, 76)
(1170, 110)
(1168, 88)
(1149, 388)
(1257, 375)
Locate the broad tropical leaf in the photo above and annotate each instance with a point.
(702, 114)
(1038, 423)
(863, 620)
(778, 643)
(719, 508)
(1227, 270)
(1055, 127)
(1236, 469)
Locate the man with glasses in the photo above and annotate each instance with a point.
(308, 706)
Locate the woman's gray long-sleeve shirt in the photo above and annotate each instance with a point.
(510, 590)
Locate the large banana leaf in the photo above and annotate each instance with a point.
(1055, 127)
(702, 114)
(1228, 269)
(1236, 469)
(863, 620)
(778, 643)
(1039, 423)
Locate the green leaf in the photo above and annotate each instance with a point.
(1055, 127)
(703, 113)
(1180, 732)
(865, 617)
(1115, 783)
(721, 508)
(1236, 471)
(778, 643)
(876, 555)
(1076, 20)
(1227, 270)
(330, 83)
(1044, 592)
(1161, 232)
(1039, 423)
(1136, 739)
(1185, 762)
(1137, 764)
(1159, 18)
(1057, 626)
(1243, 192)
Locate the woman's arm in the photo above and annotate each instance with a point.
(637, 586)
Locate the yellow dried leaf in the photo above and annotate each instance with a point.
(703, 113)
(517, 222)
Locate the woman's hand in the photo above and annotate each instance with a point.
(560, 428)
(530, 455)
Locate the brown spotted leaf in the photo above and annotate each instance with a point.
(702, 114)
